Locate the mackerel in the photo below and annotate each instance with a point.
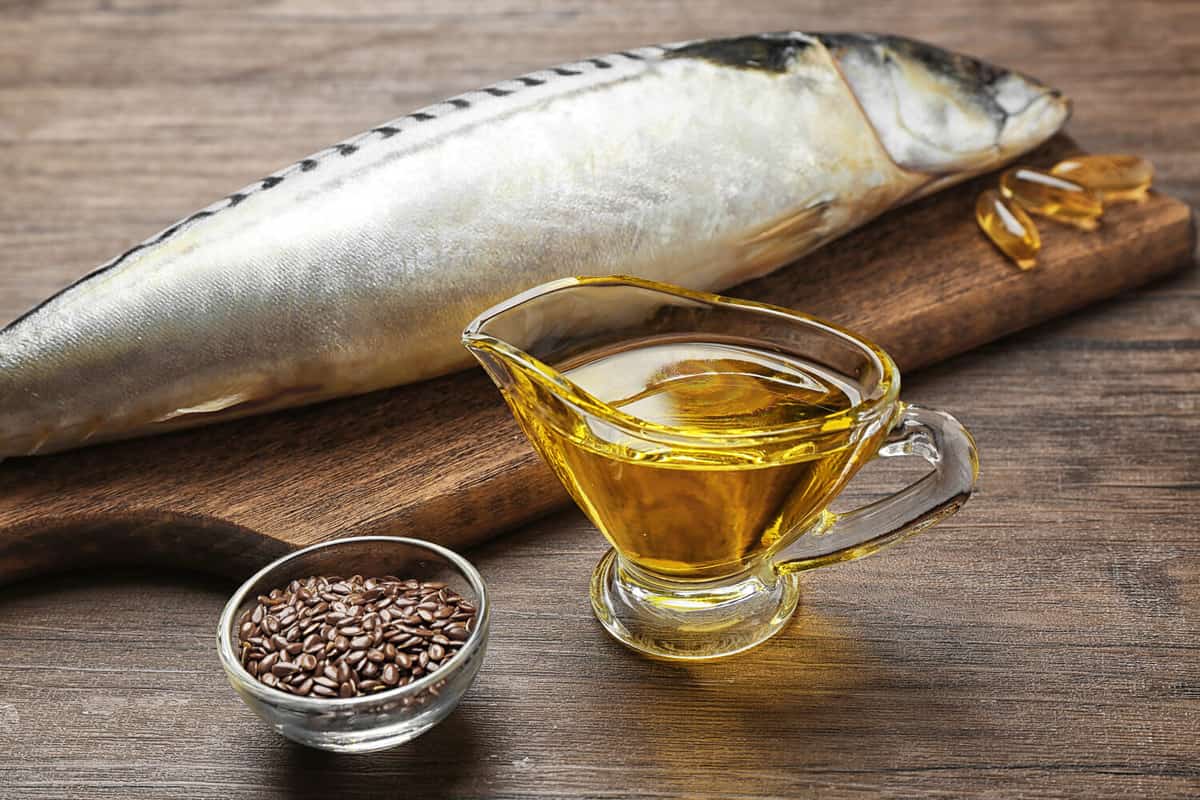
(701, 163)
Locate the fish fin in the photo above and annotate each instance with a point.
(781, 240)
(208, 406)
(246, 402)
(37, 446)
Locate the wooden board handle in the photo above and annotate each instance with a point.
(444, 461)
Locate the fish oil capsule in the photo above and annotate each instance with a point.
(1114, 176)
(1009, 228)
(1051, 196)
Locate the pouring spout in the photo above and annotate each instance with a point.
(531, 336)
(540, 397)
(505, 365)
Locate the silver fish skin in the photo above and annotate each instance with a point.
(700, 163)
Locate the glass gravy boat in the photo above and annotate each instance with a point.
(705, 437)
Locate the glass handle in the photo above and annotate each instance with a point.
(934, 436)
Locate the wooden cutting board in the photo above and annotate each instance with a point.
(443, 460)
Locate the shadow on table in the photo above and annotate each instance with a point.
(829, 692)
(394, 773)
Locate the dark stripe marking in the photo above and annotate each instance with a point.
(631, 54)
(495, 92)
(458, 102)
(308, 164)
(758, 53)
(347, 149)
(531, 81)
(421, 116)
(234, 199)
(198, 215)
(271, 181)
(387, 131)
(600, 63)
(565, 71)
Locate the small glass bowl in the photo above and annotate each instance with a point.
(377, 721)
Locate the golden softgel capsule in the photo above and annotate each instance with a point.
(1009, 228)
(1114, 176)
(1052, 196)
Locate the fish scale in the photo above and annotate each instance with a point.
(700, 163)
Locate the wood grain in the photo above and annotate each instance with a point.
(1043, 643)
(445, 458)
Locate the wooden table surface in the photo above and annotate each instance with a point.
(1045, 642)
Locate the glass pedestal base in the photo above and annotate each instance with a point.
(690, 620)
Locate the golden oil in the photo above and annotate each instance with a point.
(1052, 196)
(1114, 176)
(1009, 228)
(709, 496)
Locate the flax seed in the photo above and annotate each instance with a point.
(331, 637)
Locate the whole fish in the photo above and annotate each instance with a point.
(701, 163)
